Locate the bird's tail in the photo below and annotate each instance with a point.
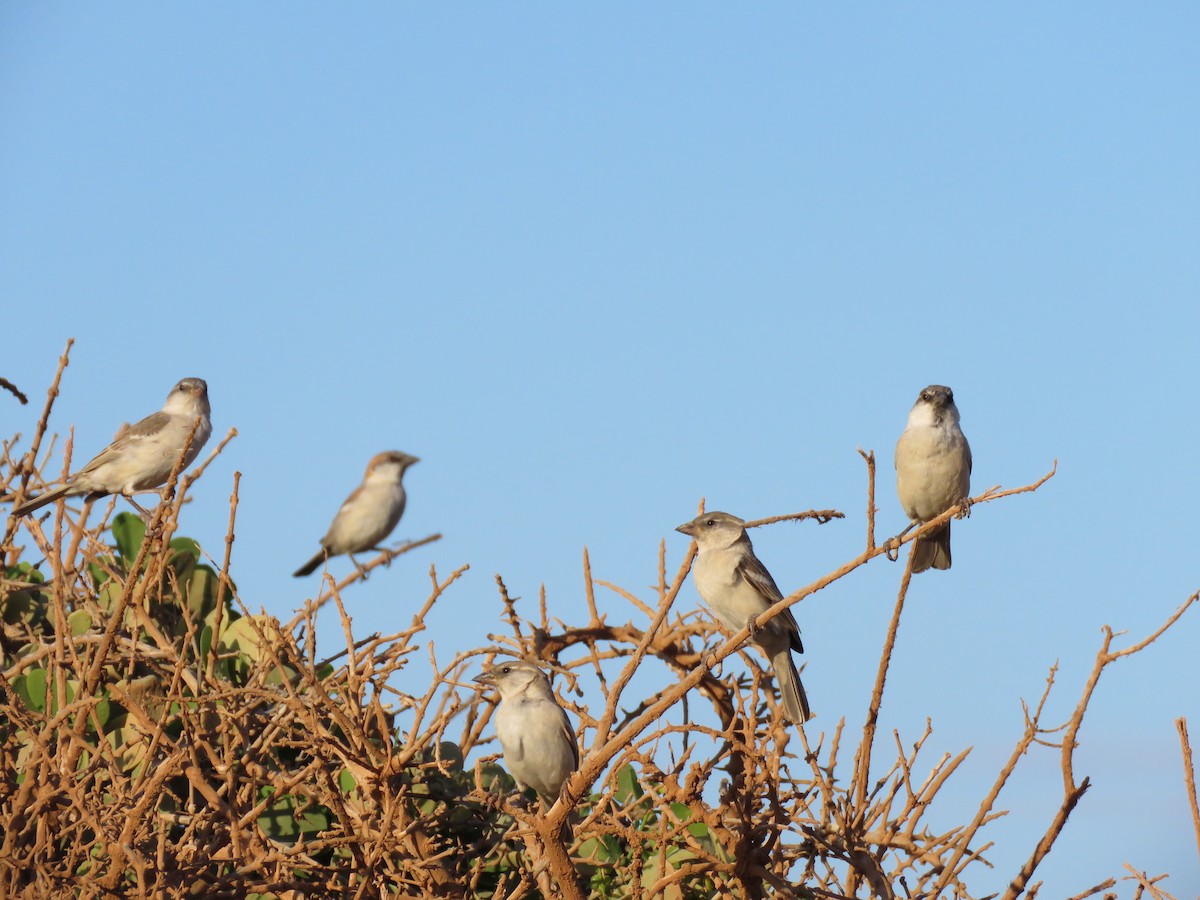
(795, 701)
(38, 502)
(933, 550)
(311, 566)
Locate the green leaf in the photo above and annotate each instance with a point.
(79, 622)
(100, 572)
(200, 591)
(109, 596)
(103, 711)
(186, 545)
(451, 755)
(277, 822)
(31, 688)
(25, 607)
(346, 781)
(314, 820)
(282, 675)
(70, 690)
(281, 821)
(183, 564)
(495, 779)
(26, 572)
(240, 637)
(605, 849)
(128, 531)
(130, 748)
(628, 786)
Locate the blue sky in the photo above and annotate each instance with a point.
(593, 263)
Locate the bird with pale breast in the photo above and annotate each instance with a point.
(369, 514)
(933, 471)
(143, 457)
(737, 586)
(539, 746)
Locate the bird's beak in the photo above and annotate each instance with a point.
(688, 528)
(485, 678)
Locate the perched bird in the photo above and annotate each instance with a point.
(933, 471)
(369, 514)
(539, 745)
(736, 586)
(142, 458)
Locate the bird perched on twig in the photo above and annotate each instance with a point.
(736, 587)
(142, 458)
(534, 731)
(933, 471)
(369, 514)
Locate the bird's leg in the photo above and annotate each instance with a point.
(146, 515)
(518, 799)
(965, 512)
(362, 573)
(892, 545)
(752, 625)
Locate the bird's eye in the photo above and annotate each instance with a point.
(506, 670)
(711, 522)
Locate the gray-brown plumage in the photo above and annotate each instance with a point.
(539, 745)
(142, 458)
(933, 471)
(736, 586)
(369, 514)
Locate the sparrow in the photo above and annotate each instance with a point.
(369, 514)
(534, 731)
(933, 471)
(142, 458)
(736, 586)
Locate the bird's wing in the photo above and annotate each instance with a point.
(757, 576)
(569, 735)
(153, 423)
(351, 500)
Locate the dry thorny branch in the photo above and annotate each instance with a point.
(162, 740)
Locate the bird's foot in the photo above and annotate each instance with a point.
(518, 799)
(892, 545)
(362, 573)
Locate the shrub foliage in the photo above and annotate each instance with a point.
(159, 739)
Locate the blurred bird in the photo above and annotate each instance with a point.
(736, 586)
(933, 471)
(142, 458)
(534, 731)
(369, 514)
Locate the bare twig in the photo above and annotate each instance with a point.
(14, 390)
(1189, 776)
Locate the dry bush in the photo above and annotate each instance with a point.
(160, 740)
